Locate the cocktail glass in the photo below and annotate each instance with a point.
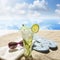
(27, 36)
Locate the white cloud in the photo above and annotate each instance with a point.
(39, 5)
(24, 11)
(21, 5)
(17, 9)
(30, 9)
(3, 2)
(57, 11)
(59, 22)
(22, 8)
(58, 5)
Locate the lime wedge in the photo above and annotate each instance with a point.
(35, 28)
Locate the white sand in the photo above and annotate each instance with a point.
(5, 32)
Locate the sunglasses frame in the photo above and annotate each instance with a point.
(13, 45)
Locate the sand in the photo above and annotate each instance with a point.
(53, 35)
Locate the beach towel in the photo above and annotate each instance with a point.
(7, 54)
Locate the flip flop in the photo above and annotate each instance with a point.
(40, 47)
(51, 44)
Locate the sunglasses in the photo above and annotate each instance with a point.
(13, 45)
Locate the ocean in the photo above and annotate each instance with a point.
(16, 24)
(12, 26)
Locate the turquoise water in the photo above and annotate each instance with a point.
(16, 24)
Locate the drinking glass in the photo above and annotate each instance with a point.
(27, 36)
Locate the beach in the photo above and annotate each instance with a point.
(48, 34)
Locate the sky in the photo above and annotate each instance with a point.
(14, 13)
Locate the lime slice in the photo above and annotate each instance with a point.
(35, 28)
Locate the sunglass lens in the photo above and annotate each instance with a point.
(12, 45)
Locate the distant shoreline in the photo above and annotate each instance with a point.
(5, 32)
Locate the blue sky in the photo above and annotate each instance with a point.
(14, 13)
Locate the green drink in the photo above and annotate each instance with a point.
(27, 36)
